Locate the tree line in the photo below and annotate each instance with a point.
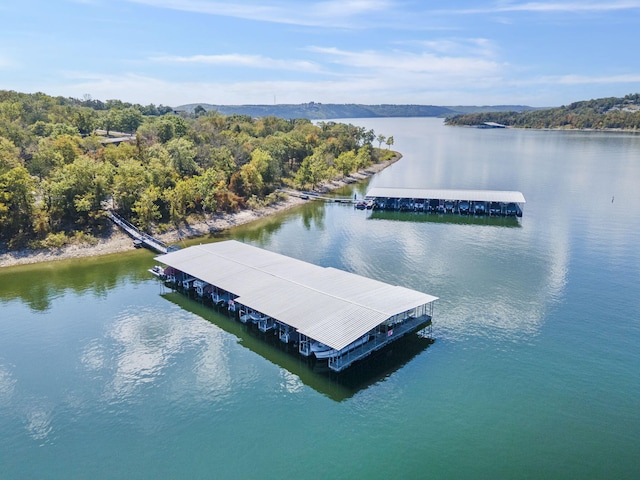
(605, 113)
(57, 175)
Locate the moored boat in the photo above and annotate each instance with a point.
(329, 352)
(158, 271)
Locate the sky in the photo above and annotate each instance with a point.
(175, 52)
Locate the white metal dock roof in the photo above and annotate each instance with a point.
(329, 305)
(471, 195)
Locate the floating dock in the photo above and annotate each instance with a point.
(461, 202)
(327, 313)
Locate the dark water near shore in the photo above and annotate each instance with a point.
(535, 371)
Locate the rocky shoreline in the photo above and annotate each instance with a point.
(116, 241)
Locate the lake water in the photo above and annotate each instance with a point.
(534, 372)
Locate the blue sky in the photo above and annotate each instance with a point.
(174, 52)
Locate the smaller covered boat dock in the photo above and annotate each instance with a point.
(460, 202)
(326, 313)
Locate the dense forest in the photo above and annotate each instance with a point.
(605, 113)
(59, 168)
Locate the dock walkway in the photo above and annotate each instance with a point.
(137, 235)
(316, 196)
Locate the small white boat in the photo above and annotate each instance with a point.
(317, 347)
(158, 271)
(329, 352)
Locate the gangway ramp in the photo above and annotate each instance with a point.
(134, 232)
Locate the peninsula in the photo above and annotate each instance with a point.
(65, 163)
(611, 113)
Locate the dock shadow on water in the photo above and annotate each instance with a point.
(450, 218)
(261, 231)
(315, 374)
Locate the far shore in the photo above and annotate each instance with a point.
(117, 241)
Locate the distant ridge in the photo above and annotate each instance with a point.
(609, 113)
(321, 111)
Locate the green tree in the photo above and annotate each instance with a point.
(68, 146)
(183, 154)
(269, 168)
(222, 159)
(313, 170)
(389, 142)
(16, 204)
(75, 191)
(364, 157)
(129, 181)
(115, 154)
(146, 210)
(182, 199)
(129, 120)
(247, 182)
(209, 184)
(85, 120)
(346, 162)
(45, 159)
(170, 126)
(9, 155)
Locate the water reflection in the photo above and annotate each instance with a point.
(445, 218)
(261, 232)
(7, 385)
(496, 282)
(147, 344)
(38, 423)
(39, 284)
(295, 370)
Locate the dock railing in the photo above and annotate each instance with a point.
(378, 341)
(135, 233)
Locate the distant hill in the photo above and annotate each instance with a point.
(600, 114)
(321, 111)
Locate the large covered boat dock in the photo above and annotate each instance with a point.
(462, 202)
(327, 313)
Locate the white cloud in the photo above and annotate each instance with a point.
(568, 80)
(586, 80)
(401, 63)
(348, 8)
(329, 13)
(482, 47)
(239, 60)
(568, 7)
(396, 76)
(444, 72)
(550, 7)
(389, 88)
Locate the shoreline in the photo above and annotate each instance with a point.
(117, 241)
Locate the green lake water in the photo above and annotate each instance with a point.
(534, 372)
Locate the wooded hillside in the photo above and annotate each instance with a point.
(57, 174)
(319, 111)
(605, 113)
